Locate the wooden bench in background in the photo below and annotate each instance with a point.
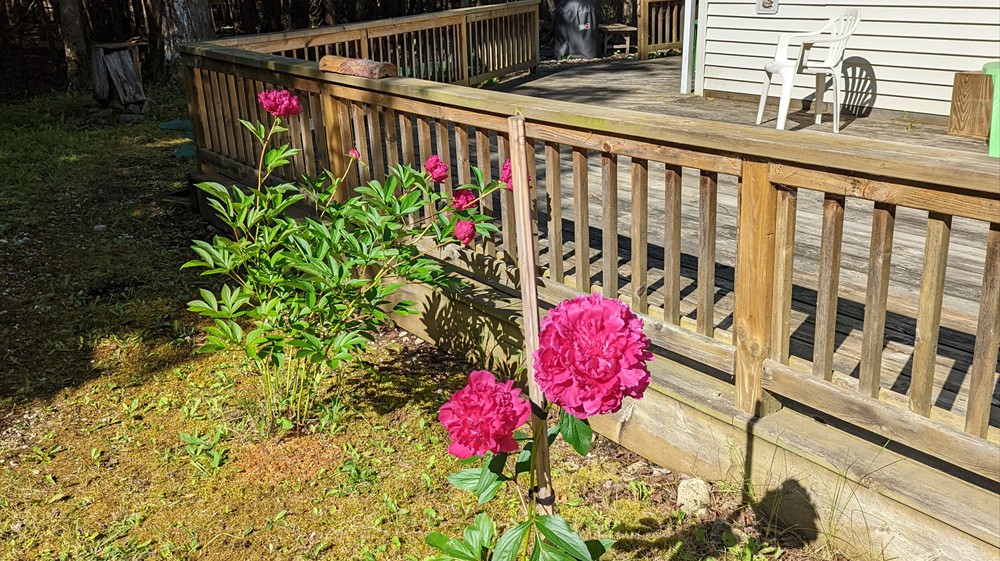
(611, 31)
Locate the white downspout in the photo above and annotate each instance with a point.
(686, 46)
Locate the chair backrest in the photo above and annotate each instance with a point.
(841, 27)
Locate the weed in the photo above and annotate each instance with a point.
(204, 451)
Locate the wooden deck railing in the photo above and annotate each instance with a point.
(465, 46)
(648, 168)
(661, 26)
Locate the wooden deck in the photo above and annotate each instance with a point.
(653, 86)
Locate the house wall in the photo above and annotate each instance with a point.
(911, 48)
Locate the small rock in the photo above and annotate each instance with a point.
(693, 496)
(100, 227)
(16, 526)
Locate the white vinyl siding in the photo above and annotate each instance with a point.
(914, 47)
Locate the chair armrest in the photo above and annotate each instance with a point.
(785, 39)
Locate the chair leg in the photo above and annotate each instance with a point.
(786, 97)
(763, 97)
(836, 99)
(820, 92)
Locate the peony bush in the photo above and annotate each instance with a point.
(592, 354)
(303, 296)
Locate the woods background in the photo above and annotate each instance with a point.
(45, 44)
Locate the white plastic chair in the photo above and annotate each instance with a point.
(834, 37)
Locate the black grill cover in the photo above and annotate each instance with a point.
(575, 33)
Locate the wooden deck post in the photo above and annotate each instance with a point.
(544, 496)
(642, 22)
(754, 312)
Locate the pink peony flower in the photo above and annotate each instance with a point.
(464, 199)
(507, 176)
(592, 352)
(465, 231)
(353, 152)
(280, 103)
(436, 168)
(482, 416)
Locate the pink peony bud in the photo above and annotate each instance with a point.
(436, 168)
(353, 152)
(464, 199)
(591, 354)
(507, 176)
(280, 103)
(465, 231)
(482, 416)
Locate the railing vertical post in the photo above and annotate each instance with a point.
(544, 496)
(366, 50)
(536, 42)
(464, 54)
(754, 313)
(196, 105)
(642, 22)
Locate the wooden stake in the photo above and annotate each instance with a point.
(544, 496)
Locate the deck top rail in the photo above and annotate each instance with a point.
(643, 163)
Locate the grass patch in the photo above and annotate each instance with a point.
(118, 441)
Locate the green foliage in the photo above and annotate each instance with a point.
(206, 452)
(306, 294)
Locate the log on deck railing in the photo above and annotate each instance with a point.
(664, 157)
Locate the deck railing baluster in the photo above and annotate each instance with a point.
(672, 244)
(983, 372)
(784, 258)
(831, 244)
(553, 191)
(609, 234)
(879, 261)
(929, 312)
(581, 220)
(708, 196)
(640, 235)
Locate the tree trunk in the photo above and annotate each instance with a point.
(72, 27)
(180, 21)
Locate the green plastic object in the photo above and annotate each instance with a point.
(993, 69)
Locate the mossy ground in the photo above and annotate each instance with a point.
(100, 385)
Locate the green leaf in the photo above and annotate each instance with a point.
(466, 480)
(437, 540)
(509, 543)
(576, 432)
(558, 532)
(487, 486)
(480, 534)
(597, 548)
(550, 552)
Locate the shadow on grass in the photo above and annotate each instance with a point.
(784, 517)
(91, 245)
